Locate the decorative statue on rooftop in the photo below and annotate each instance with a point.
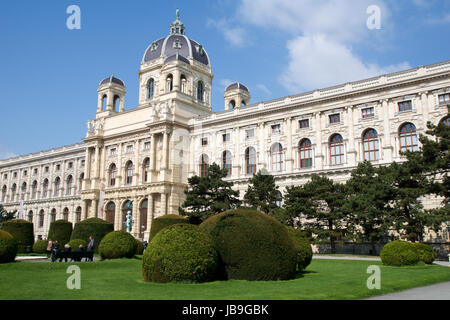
(178, 13)
(129, 221)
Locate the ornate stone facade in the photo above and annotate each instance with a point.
(146, 154)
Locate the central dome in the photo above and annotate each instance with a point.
(176, 42)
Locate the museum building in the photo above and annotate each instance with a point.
(146, 154)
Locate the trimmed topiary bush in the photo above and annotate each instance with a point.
(75, 243)
(303, 247)
(117, 244)
(425, 252)
(180, 252)
(399, 253)
(60, 230)
(22, 231)
(95, 227)
(164, 221)
(140, 247)
(40, 246)
(252, 245)
(8, 247)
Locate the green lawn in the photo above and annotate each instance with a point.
(122, 279)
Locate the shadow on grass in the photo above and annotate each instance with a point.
(301, 274)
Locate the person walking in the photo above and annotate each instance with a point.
(55, 250)
(49, 248)
(91, 247)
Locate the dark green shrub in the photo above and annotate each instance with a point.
(165, 221)
(95, 227)
(303, 248)
(22, 231)
(8, 247)
(140, 247)
(117, 244)
(180, 252)
(75, 243)
(40, 246)
(425, 252)
(60, 230)
(399, 253)
(252, 245)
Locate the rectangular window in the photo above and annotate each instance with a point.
(25, 172)
(36, 171)
(70, 165)
(444, 99)
(303, 123)
(368, 113)
(147, 145)
(82, 163)
(404, 106)
(5, 176)
(226, 137)
(276, 128)
(46, 169)
(250, 133)
(335, 118)
(129, 149)
(204, 141)
(58, 166)
(112, 151)
(15, 175)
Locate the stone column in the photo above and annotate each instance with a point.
(351, 160)
(425, 106)
(87, 168)
(262, 146)
(84, 210)
(137, 165)
(176, 80)
(135, 213)
(235, 164)
(149, 217)
(94, 208)
(387, 146)
(119, 181)
(163, 203)
(318, 152)
(102, 163)
(289, 156)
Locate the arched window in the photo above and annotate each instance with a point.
(143, 210)
(305, 155)
(336, 150)
(232, 104)
(45, 189)
(69, 185)
(78, 215)
(124, 214)
(250, 160)
(13, 192)
(57, 186)
(4, 190)
(53, 215)
(112, 174)
(66, 214)
(277, 155)
(104, 99)
(169, 81)
(183, 82)
(80, 182)
(34, 187)
(371, 148)
(200, 91)
(23, 191)
(146, 170)
(116, 103)
(41, 218)
(243, 104)
(226, 162)
(30, 216)
(204, 164)
(408, 138)
(151, 88)
(110, 212)
(129, 172)
(446, 121)
(279, 201)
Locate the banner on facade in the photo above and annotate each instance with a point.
(101, 200)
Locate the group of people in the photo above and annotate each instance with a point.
(53, 249)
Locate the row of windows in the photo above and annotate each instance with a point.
(169, 87)
(69, 184)
(36, 171)
(65, 216)
(408, 141)
(129, 172)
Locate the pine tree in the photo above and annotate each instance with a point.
(262, 192)
(320, 203)
(208, 195)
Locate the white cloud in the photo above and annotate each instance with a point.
(439, 20)
(317, 62)
(234, 35)
(6, 155)
(263, 88)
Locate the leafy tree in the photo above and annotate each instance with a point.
(369, 193)
(262, 192)
(208, 195)
(5, 215)
(320, 202)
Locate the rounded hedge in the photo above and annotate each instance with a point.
(252, 245)
(60, 230)
(399, 253)
(164, 221)
(117, 244)
(22, 231)
(180, 252)
(302, 246)
(40, 246)
(8, 247)
(140, 247)
(75, 243)
(95, 227)
(425, 252)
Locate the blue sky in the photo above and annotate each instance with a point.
(49, 74)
